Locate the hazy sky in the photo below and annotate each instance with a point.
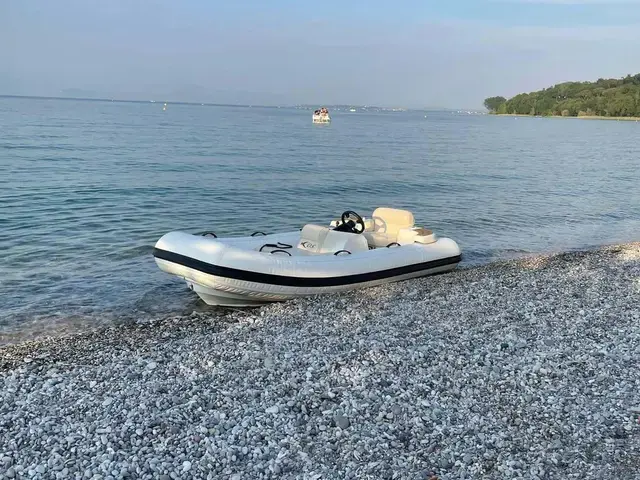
(415, 53)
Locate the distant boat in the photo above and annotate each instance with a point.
(352, 109)
(164, 107)
(321, 116)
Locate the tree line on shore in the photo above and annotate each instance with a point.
(606, 98)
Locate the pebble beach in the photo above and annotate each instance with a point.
(528, 368)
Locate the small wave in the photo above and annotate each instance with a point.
(133, 252)
(67, 148)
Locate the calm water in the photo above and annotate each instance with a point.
(86, 188)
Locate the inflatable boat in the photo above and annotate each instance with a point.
(351, 252)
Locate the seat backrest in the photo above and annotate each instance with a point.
(352, 242)
(320, 239)
(312, 237)
(391, 220)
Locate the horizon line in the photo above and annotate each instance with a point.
(241, 105)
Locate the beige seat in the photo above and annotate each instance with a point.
(317, 239)
(389, 225)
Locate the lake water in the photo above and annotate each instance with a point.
(87, 187)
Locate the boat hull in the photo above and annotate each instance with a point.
(321, 119)
(227, 293)
(231, 272)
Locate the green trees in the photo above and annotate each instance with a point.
(605, 97)
(493, 103)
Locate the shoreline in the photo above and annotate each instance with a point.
(523, 367)
(80, 329)
(581, 117)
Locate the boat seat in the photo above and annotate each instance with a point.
(318, 239)
(390, 225)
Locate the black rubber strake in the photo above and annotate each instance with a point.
(284, 280)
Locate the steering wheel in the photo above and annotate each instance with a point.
(349, 225)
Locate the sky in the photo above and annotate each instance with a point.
(401, 53)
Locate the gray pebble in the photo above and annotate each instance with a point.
(342, 421)
(524, 369)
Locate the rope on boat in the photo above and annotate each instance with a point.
(280, 245)
(280, 251)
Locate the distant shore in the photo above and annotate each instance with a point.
(581, 117)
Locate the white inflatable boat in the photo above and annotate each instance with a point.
(352, 252)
